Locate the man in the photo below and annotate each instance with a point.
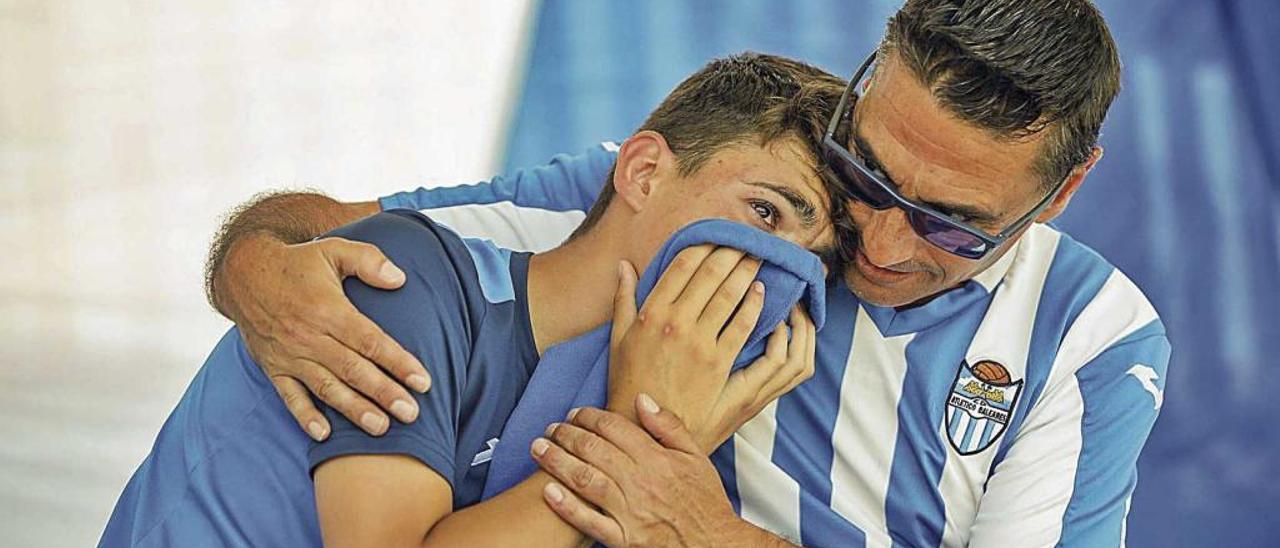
(738, 140)
(982, 378)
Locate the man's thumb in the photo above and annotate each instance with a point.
(364, 261)
(665, 426)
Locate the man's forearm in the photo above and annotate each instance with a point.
(274, 219)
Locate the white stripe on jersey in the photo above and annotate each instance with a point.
(508, 225)
(865, 427)
(1124, 524)
(770, 498)
(1007, 342)
(1118, 310)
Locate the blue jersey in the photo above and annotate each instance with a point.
(230, 467)
(1008, 411)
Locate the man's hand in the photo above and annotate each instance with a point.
(680, 345)
(629, 490)
(299, 326)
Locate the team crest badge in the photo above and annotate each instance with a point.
(979, 406)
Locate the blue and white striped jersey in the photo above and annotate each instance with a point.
(1009, 411)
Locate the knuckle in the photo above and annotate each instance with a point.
(320, 314)
(288, 331)
(806, 374)
(584, 445)
(292, 400)
(704, 354)
(328, 390)
(654, 314)
(269, 362)
(672, 329)
(368, 344)
(349, 369)
(362, 247)
(684, 262)
(715, 269)
(383, 392)
(582, 477)
(607, 424)
(770, 362)
(724, 297)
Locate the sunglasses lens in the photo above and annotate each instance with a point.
(859, 185)
(947, 237)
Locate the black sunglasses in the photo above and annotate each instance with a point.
(866, 186)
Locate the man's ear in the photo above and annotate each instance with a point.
(641, 160)
(1074, 180)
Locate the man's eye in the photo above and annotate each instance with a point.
(766, 211)
(871, 166)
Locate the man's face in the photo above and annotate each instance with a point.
(933, 158)
(775, 188)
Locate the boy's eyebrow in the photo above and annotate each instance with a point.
(805, 209)
(974, 214)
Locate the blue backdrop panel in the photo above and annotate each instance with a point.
(1185, 201)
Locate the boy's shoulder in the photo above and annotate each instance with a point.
(437, 262)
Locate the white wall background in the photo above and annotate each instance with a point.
(126, 129)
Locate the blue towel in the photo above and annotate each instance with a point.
(576, 373)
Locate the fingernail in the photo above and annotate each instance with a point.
(419, 382)
(404, 410)
(390, 273)
(540, 446)
(573, 413)
(316, 431)
(551, 428)
(648, 404)
(554, 492)
(373, 422)
(622, 270)
(757, 286)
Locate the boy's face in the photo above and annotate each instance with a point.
(774, 187)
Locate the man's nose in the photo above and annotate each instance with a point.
(887, 237)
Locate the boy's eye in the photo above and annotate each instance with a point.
(766, 211)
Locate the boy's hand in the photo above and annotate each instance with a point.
(680, 346)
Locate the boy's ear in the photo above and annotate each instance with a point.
(641, 160)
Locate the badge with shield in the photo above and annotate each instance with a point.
(979, 406)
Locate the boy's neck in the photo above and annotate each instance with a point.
(571, 288)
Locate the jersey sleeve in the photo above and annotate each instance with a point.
(1069, 475)
(567, 183)
(429, 316)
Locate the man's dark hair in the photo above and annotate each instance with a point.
(1015, 68)
(747, 98)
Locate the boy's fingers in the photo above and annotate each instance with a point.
(674, 279)
(744, 320)
(711, 274)
(729, 295)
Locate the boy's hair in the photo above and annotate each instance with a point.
(749, 98)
